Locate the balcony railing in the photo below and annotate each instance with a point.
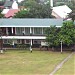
(24, 35)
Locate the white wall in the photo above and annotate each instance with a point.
(20, 0)
(14, 5)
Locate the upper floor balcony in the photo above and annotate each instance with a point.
(23, 31)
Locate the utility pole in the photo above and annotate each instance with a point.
(51, 3)
(61, 46)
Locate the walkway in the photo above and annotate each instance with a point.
(61, 64)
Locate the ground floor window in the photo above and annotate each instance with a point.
(36, 41)
(7, 41)
(18, 41)
(27, 41)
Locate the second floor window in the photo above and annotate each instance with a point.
(19, 30)
(37, 30)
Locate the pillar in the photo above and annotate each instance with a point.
(30, 30)
(12, 30)
(7, 31)
(31, 45)
(51, 3)
(31, 42)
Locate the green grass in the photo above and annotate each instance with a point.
(68, 68)
(22, 62)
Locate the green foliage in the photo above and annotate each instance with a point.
(21, 14)
(66, 34)
(72, 14)
(34, 10)
(52, 36)
(29, 3)
(1, 15)
(72, 5)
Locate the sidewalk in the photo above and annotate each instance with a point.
(61, 64)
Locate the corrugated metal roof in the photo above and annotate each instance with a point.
(30, 22)
(62, 11)
(11, 13)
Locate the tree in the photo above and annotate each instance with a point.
(66, 34)
(72, 6)
(1, 15)
(72, 15)
(21, 14)
(52, 36)
(35, 10)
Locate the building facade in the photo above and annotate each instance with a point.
(25, 31)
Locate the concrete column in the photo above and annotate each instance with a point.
(31, 45)
(7, 31)
(31, 42)
(12, 30)
(61, 46)
(30, 30)
(51, 3)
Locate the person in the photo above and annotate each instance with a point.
(23, 33)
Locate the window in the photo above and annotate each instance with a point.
(9, 41)
(44, 30)
(5, 41)
(36, 41)
(27, 41)
(27, 30)
(19, 41)
(37, 30)
(19, 30)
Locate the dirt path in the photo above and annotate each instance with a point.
(61, 64)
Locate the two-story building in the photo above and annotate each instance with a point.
(26, 31)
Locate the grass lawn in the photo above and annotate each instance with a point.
(68, 68)
(22, 62)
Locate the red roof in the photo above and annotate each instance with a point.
(11, 13)
(2, 7)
